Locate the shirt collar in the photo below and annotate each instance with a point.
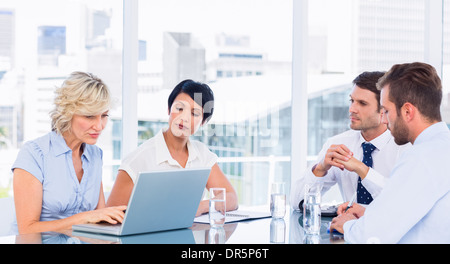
(86, 152)
(58, 144)
(193, 151)
(431, 132)
(379, 142)
(60, 147)
(163, 154)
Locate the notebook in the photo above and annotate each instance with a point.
(160, 200)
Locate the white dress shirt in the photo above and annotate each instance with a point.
(415, 204)
(153, 155)
(384, 158)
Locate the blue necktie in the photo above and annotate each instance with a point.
(364, 196)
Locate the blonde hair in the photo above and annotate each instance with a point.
(83, 94)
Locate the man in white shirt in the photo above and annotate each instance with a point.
(366, 124)
(414, 206)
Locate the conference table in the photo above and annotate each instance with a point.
(287, 230)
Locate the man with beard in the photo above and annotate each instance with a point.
(414, 206)
(341, 159)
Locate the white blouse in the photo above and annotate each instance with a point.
(154, 155)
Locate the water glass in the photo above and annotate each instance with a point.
(217, 206)
(311, 239)
(277, 231)
(311, 209)
(216, 235)
(277, 200)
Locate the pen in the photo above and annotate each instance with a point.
(350, 203)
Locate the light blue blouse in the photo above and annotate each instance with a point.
(49, 159)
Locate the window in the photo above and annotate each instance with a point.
(446, 64)
(349, 37)
(41, 44)
(242, 50)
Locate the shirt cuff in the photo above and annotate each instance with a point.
(374, 182)
(347, 230)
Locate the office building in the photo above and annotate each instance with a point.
(7, 41)
(51, 44)
(183, 58)
(97, 24)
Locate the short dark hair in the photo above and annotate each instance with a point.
(201, 93)
(417, 83)
(368, 81)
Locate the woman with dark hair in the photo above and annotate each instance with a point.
(190, 105)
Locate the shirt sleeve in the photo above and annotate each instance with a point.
(30, 159)
(212, 159)
(298, 186)
(374, 182)
(128, 164)
(308, 178)
(208, 157)
(405, 200)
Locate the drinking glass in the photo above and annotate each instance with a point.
(311, 209)
(277, 200)
(216, 235)
(217, 205)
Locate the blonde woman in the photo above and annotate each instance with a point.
(58, 177)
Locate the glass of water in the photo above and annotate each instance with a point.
(277, 231)
(217, 206)
(216, 235)
(277, 200)
(311, 209)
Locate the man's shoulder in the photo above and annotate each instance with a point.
(346, 135)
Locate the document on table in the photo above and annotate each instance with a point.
(235, 216)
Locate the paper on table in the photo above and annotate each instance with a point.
(235, 216)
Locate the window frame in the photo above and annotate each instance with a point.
(299, 105)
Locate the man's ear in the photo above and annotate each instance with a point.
(409, 111)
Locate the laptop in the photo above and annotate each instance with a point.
(178, 236)
(160, 201)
